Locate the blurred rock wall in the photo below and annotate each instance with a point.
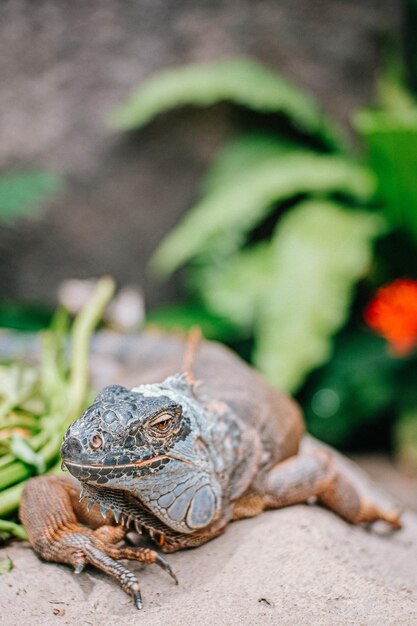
(65, 64)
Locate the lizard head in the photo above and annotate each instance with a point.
(147, 449)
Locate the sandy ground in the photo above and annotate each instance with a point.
(300, 565)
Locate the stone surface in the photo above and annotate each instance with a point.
(65, 65)
(300, 565)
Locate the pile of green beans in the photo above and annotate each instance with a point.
(39, 402)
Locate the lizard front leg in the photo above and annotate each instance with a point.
(61, 529)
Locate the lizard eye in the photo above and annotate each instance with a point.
(162, 424)
(96, 442)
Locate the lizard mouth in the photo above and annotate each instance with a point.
(101, 472)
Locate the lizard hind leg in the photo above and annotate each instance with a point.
(316, 474)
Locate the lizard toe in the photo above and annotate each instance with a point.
(163, 563)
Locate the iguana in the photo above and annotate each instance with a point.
(202, 441)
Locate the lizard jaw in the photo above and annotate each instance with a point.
(128, 512)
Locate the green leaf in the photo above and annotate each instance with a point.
(392, 147)
(12, 529)
(294, 291)
(240, 81)
(405, 436)
(359, 384)
(185, 316)
(21, 194)
(17, 384)
(222, 218)
(319, 251)
(241, 155)
(23, 316)
(393, 96)
(234, 289)
(6, 565)
(53, 369)
(22, 451)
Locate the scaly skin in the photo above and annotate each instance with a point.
(178, 460)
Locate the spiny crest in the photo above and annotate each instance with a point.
(182, 384)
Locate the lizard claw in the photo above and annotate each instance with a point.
(163, 563)
(137, 599)
(79, 567)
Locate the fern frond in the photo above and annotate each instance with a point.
(240, 81)
(223, 217)
(391, 140)
(318, 253)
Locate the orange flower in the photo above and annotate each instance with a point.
(393, 314)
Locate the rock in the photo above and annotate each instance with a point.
(300, 565)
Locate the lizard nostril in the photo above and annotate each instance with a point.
(96, 442)
(71, 448)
